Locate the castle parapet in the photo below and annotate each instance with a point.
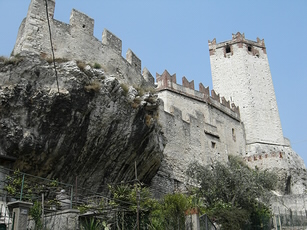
(240, 40)
(38, 10)
(204, 90)
(186, 83)
(264, 156)
(80, 22)
(168, 82)
(75, 41)
(134, 60)
(148, 76)
(110, 40)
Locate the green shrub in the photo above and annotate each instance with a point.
(91, 224)
(36, 213)
(97, 66)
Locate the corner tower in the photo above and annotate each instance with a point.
(241, 72)
(33, 34)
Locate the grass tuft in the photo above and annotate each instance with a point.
(125, 88)
(81, 65)
(11, 61)
(57, 60)
(93, 86)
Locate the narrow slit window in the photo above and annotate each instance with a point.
(233, 134)
(228, 50)
(249, 48)
(213, 144)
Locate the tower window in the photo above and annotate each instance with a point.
(249, 48)
(228, 50)
(213, 144)
(234, 135)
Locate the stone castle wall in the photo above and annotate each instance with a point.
(241, 73)
(75, 41)
(284, 161)
(199, 128)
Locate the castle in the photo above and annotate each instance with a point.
(205, 128)
(239, 117)
(75, 41)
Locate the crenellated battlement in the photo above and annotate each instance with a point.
(81, 22)
(252, 47)
(169, 82)
(76, 41)
(110, 40)
(265, 156)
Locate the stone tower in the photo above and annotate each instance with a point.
(241, 72)
(33, 31)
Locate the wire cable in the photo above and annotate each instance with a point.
(52, 50)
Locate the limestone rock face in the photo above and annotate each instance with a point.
(93, 128)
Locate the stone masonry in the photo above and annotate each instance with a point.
(241, 73)
(240, 117)
(75, 41)
(199, 128)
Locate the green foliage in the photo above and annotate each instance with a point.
(233, 193)
(83, 208)
(128, 199)
(14, 184)
(167, 213)
(54, 183)
(97, 66)
(92, 224)
(36, 214)
(20, 185)
(173, 209)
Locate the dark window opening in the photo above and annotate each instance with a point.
(234, 135)
(288, 185)
(228, 49)
(249, 48)
(213, 144)
(83, 26)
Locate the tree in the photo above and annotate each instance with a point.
(130, 199)
(234, 194)
(167, 213)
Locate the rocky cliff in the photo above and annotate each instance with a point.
(88, 125)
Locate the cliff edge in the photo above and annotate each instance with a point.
(82, 124)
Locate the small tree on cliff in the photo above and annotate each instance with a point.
(235, 195)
